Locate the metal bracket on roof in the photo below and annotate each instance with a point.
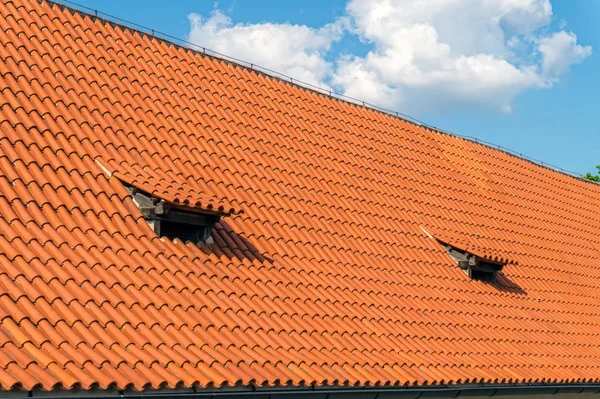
(474, 266)
(173, 221)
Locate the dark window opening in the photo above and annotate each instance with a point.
(182, 231)
(485, 276)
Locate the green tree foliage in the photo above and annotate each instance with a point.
(592, 177)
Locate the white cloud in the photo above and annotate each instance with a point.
(295, 50)
(427, 55)
(444, 54)
(560, 51)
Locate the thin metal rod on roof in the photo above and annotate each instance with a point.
(321, 90)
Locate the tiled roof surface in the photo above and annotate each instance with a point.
(325, 278)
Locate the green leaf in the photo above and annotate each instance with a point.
(594, 178)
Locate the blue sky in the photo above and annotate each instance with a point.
(528, 90)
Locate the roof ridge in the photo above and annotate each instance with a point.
(170, 39)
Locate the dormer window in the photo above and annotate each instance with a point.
(475, 267)
(174, 221)
(477, 263)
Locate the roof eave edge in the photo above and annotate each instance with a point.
(455, 391)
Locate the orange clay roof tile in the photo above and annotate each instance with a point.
(324, 279)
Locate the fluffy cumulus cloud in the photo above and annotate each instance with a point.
(432, 55)
(559, 51)
(295, 50)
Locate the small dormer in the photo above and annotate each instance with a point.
(478, 263)
(474, 266)
(175, 221)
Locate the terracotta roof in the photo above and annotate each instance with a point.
(326, 277)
